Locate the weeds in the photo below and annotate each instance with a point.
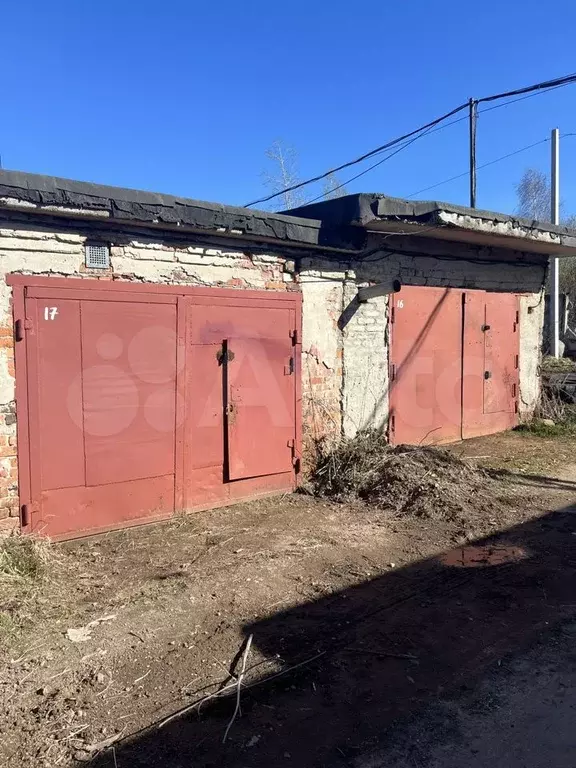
(544, 428)
(28, 567)
(23, 558)
(553, 416)
(558, 365)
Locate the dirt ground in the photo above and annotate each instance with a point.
(361, 617)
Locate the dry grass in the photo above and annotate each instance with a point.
(552, 408)
(558, 365)
(24, 558)
(27, 566)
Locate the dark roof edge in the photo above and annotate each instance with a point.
(385, 207)
(365, 209)
(65, 197)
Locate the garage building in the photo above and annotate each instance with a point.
(160, 354)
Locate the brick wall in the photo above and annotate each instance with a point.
(322, 350)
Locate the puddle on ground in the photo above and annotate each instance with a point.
(483, 556)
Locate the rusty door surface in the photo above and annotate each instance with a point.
(242, 374)
(101, 378)
(259, 406)
(454, 364)
(134, 401)
(425, 370)
(490, 364)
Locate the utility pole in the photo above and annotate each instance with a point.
(473, 119)
(554, 261)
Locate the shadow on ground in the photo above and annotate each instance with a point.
(389, 646)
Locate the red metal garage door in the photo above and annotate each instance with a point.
(454, 364)
(138, 402)
(425, 376)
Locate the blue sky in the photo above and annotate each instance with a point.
(185, 97)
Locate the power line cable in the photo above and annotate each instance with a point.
(367, 170)
(439, 128)
(418, 132)
(365, 156)
(558, 81)
(485, 165)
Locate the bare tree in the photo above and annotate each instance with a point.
(533, 191)
(284, 174)
(332, 188)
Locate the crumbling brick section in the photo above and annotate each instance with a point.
(8, 446)
(8, 462)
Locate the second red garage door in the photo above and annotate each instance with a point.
(454, 364)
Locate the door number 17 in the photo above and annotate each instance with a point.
(50, 313)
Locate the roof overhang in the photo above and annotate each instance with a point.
(443, 221)
(33, 194)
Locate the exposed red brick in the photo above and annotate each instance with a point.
(6, 342)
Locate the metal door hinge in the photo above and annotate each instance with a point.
(392, 422)
(25, 515)
(392, 372)
(20, 326)
(295, 459)
(289, 369)
(293, 335)
(392, 314)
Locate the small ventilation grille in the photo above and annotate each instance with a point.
(97, 256)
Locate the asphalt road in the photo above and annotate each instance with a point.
(521, 715)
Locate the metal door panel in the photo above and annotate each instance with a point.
(128, 390)
(70, 512)
(259, 406)
(55, 344)
(490, 363)
(500, 353)
(425, 375)
(204, 446)
(213, 324)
